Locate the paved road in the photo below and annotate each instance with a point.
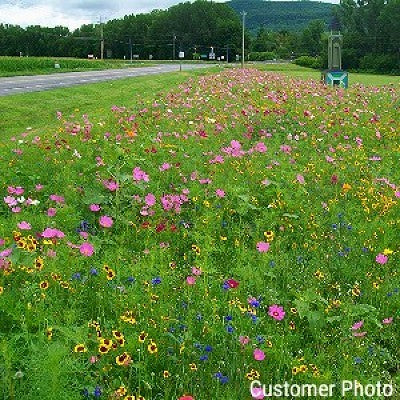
(37, 83)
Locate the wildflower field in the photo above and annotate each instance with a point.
(244, 225)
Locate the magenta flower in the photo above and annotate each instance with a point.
(300, 179)
(259, 355)
(196, 271)
(51, 212)
(50, 233)
(276, 312)
(381, 259)
(244, 340)
(105, 221)
(86, 249)
(357, 325)
(2, 242)
(11, 201)
(111, 185)
(23, 225)
(139, 175)
(397, 194)
(191, 280)
(387, 321)
(150, 200)
(94, 207)
(220, 193)
(57, 198)
(263, 247)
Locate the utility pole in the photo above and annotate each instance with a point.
(130, 48)
(173, 46)
(227, 53)
(243, 13)
(101, 39)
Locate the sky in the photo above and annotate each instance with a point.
(73, 13)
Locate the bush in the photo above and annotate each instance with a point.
(381, 63)
(262, 56)
(309, 62)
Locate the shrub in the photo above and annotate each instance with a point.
(310, 62)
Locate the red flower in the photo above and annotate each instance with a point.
(232, 283)
(186, 398)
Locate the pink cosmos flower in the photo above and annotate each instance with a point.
(359, 334)
(139, 175)
(191, 280)
(150, 200)
(86, 249)
(51, 212)
(50, 233)
(263, 247)
(23, 225)
(387, 321)
(257, 393)
(276, 312)
(259, 355)
(397, 194)
(16, 210)
(300, 179)
(164, 167)
(357, 325)
(94, 207)
(220, 193)
(11, 201)
(244, 340)
(39, 187)
(381, 259)
(57, 198)
(111, 185)
(2, 242)
(196, 271)
(105, 221)
(6, 252)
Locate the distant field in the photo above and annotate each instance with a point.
(12, 66)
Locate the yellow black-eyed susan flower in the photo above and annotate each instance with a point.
(80, 348)
(123, 360)
(166, 374)
(49, 333)
(110, 274)
(44, 285)
(103, 349)
(193, 367)
(152, 347)
(295, 371)
(39, 263)
(269, 236)
(142, 337)
(130, 397)
(121, 391)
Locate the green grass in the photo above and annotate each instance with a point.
(36, 111)
(222, 195)
(308, 73)
(15, 66)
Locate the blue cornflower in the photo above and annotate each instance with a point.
(224, 380)
(260, 339)
(208, 348)
(204, 357)
(97, 391)
(94, 272)
(131, 279)
(228, 318)
(156, 281)
(76, 276)
(229, 328)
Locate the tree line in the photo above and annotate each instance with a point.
(371, 30)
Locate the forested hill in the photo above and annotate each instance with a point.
(282, 15)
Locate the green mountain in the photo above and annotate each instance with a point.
(282, 15)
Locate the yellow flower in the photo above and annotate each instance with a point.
(44, 285)
(269, 235)
(123, 360)
(142, 337)
(193, 367)
(346, 187)
(1, 290)
(80, 348)
(152, 347)
(166, 374)
(387, 252)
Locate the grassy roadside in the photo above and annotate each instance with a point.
(37, 111)
(16, 66)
